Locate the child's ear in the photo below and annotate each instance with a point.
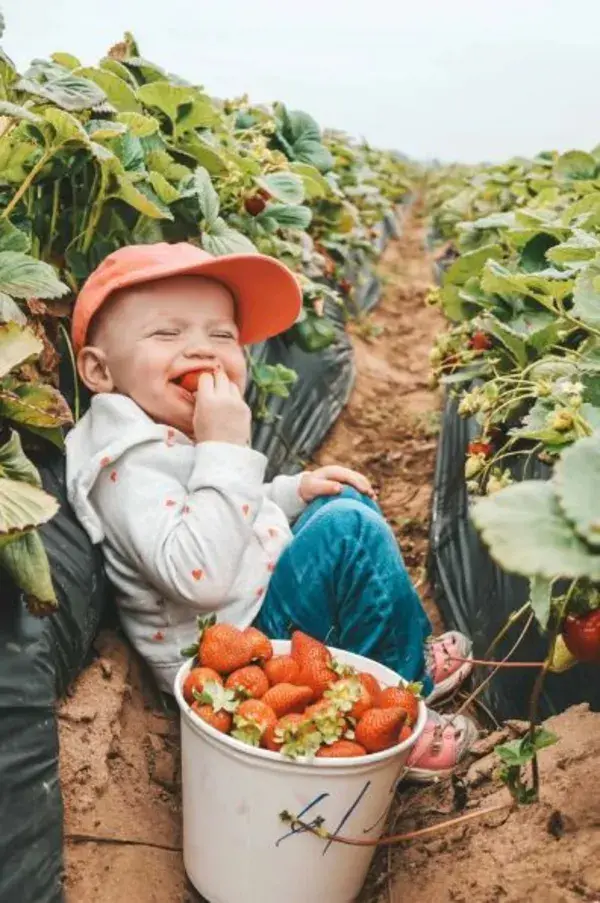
(93, 370)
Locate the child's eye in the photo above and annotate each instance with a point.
(225, 334)
(165, 333)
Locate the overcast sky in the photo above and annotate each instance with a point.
(454, 79)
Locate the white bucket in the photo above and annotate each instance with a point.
(236, 849)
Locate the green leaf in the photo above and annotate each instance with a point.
(514, 344)
(199, 185)
(17, 345)
(67, 60)
(66, 128)
(284, 186)
(12, 239)
(205, 154)
(10, 312)
(314, 333)
(224, 240)
(576, 165)
(184, 106)
(23, 507)
(527, 533)
(141, 198)
(286, 216)
(164, 190)
(575, 476)
(118, 69)
(40, 406)
(14, 463)
(69, 91)
(540, 599)
(139, 124)
(313, 152)
(471, 264)
(315, 185)
(26, 561)
(580, 248)
(586, 295)
(15, 111)
(24, 277)
(119, 93)
(104, 129)
(534, 253)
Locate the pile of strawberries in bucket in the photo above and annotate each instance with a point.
(301, 704)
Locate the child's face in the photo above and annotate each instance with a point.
(150, 335)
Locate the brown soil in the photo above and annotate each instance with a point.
(119, 749)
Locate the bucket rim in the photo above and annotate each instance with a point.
(281, 647)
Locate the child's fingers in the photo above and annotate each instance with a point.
(350, 477)
(324, 487)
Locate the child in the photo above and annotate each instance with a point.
(165, 479)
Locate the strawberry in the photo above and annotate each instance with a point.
(293, 735)
(341, 749)
(479, 341)
(378, 729)
(371, 684)
(405, 733)
(318, 676)
(189, 381)
(262, 650)
(251, 721)
(256, 203)
(282, 669)
(251, 681)
(401, 698)
(196, 680)
(582, 636)
(224, 648)
(328, 720)
(349, 695)
(286, 698)
(478, 447)
(221, 721)
(307, 650)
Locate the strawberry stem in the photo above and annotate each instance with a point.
(495, 664)
(392, 839)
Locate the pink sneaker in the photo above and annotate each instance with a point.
(446, 673)
(444, 742)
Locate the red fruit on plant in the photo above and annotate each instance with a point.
(480, 448)
(256, 203)
(196, 680)
(286, 698)
(480, 341)
(401, 698)
(371, 684)
(341, 749)
(282, 669)
(378, 729)
(345, 286)
(262, 649)
(224, 648)
(582, 636)
(221, 720)
(251, 680)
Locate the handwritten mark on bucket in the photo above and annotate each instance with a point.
(318, 820)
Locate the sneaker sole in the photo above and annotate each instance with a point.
(427, 776)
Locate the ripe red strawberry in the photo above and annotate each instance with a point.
(350, 695)
(294, 735)
(251, 721)
(221, 720)
(401, 698)
(405, 733)
(480, 448)
(286, 698)
(378, 729)
(480, 341)
(582, 636)
(371, 684)
(282, 669)
(256, 203)
(318, 676)
(251, 680)
(306, 650)
(341, 749)
(224, 648)
(196, 680)
(189, 381)
(262, 649)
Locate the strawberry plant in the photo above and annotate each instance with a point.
(94, 157)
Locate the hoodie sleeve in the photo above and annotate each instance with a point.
(187, 541)
(285, 492)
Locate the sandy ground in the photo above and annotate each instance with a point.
(119, 750)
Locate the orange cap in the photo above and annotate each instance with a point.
(267, 295)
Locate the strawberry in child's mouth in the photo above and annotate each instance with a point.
(189, 380)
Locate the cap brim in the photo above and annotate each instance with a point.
(268, 298)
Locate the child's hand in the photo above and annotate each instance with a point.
(330, 480)
(221, 414)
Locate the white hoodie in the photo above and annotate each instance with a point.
(186, 529)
